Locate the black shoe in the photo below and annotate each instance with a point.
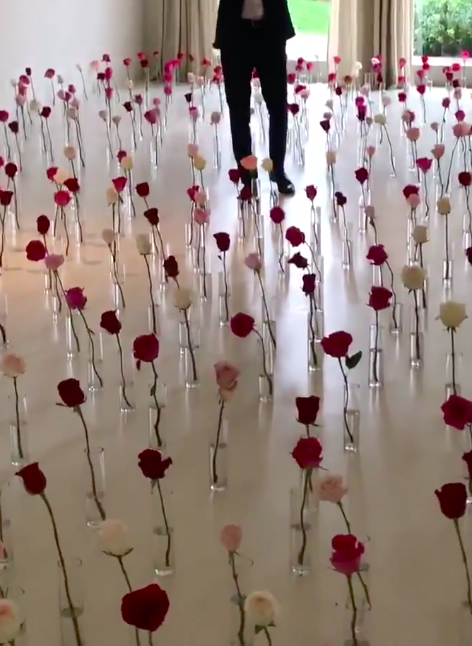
(284, 185)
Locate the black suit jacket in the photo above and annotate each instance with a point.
(230, 26)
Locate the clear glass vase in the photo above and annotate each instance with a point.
(395, 326)
(351, 418)
(71, 601)
(301, 525)
(18, 426)
(72, 335)
(95, 360)
(163, 532)
(358, 607)
(94, 471)
(454, 365)
(189, 335)
(315, 329)
(192, 377)
(17, 595)
(416, 333)
(219, 454)
(375, 356)
(6, 537)
(157, 403)
(224, 294)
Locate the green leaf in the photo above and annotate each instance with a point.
(351, 362)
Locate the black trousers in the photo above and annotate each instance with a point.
(256, 49)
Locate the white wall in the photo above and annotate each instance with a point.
(61, 33)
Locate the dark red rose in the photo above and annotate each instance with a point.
(295, 236)
(128, 106)
(341, 199)
(325, 125)
(145, 348)
(34, 480)
(362, 175)
(11, 170)
(62, 198)
(402, 97)
(223, 241)
(245, 194)
(14, 127)
(152, 216)
(121, 154)
(110, 322)
(234, 175)
(307, 408)
(241, 325)
(51, 173)
(42, 224)
(293, 108)
(45, 112)
(138, 99)
(35, 251)
(311, 192)
(171, 267)
(446, 102)
(299, 261)
(421, 89)
(308, 453)
(465, 178)
(337, 344)
(6, 197)
(277, 215)
(309, 284)
(467, 458)
(145, 608)
(153, 464)
(347, 553)
(468, 253)
(452, 499)
(457, 412)
(71, 393)
(119, 183)
(409, 190)
(192, 191)
(72, 184)
(424, 164)
(28, 71)
(377, 255)
(379, 298)
(142, 189)
(75, 298)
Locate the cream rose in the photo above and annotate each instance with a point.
(267, 164)
(126, 163)
(452, 314)
(111, 196)
(380, 119)
(192, 151)
(114, 538)
(10, 621)
(108, 236)
(199, 162)
(61, 176)
(261, 608)
(331, 157)
(331, 488)
(413, 277)
(420, 234)
(70, 153)
(12, 365)
(143, 244)
(182, 298)
(444, 205)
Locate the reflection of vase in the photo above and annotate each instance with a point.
(94, 463)
(163, 532)
(71, 600)
(18, 424)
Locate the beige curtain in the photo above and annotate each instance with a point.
(361, 29)
(181, 25)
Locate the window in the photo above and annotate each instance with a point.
(311, 21)
(442, 28)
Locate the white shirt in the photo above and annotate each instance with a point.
(253, 10)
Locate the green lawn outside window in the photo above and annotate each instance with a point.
(310, 16)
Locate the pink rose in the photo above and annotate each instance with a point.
(438, 151)
(226, 375)
(253, 261)
(413, 133)
(53, 261)
(200, 216)
(231, 537)
(76, 298)
(331, 488)
(414, 201)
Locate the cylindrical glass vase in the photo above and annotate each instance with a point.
(351, 418)
(346, 253)
(191, 368)
(6, 538)
(126, 391)
(224, 293)
(157, 403)
(375, 356)
(416, 349)
(163, 532)
(71, 601)
(453, 374)
(219, 454)
(189, 335)
(301, 525)
(72, 338)
(269, 340)
(95, 359)
(395, 318)
(94, 471)
(18, 425)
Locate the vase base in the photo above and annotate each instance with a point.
(163, 571)
(300, 570)
(218, 488)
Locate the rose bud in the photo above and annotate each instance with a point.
(35, 251)
(70, 393)
(145, 348)
(42, 224)
(337, 344)
(294, 236)
(223, 241)
(307, 408)
(110, 322)
(34, 480)
(242, 325)
(171, 267)
(152, 216)
(152, 464)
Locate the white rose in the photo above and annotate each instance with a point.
(261, 608)
(444, 205)
(199, 163)
(143, 244)
(35, 105)
(380, 119)
(10, 621)
(183, 298)
(130, 84)
(413, 277)
(190, 78)
(420, 234)
(258, 98)
(330, 157)
(329, 104)
(61, 176)
(12, 365)
(126, 163)
(111, 196)
(386, 100)
(267, 164)
(114, 538)
(452, 314)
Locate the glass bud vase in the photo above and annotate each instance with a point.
(358, 606)
(6, 538)
(351, 418)
(94, 467)
(191, 368)
(315, 334)
(453, 374)
(71, 601)
(163, 532)
(396, 319)
(219, 454)
(18, 425)
(72, 337)
(95, 360)
(189, 335)
(301, 525)
(156, 405)
(375, 357)
(224, 294)
(416, 334)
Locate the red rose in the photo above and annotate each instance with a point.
(152, 464)
(341, 199)
(467, 458)
(145, 608)
(75, 298)
(307, 408)
(295, 236)
(110, 322)
(421, 89)
(452, 499)
(337, 344)
(49, 73)
(42, 224)
(311, 192)
(72, 184)
(51, 173)
(171, 267)
(308, 453)
(61, 198)
(71, 393)
(245, 194)
(233, 173)
(35, 250)
(468, 253)
(145, 348)
(424, 164)
(377, 255)
(11, 170)
(34, 480)
(299, 261)
(223, 241)
(152, 216)
(119, 183)
(121, 154)
(6, 197)
(465, 178)
(142, 189)
(409, 190)
(277, 215)
(241, 325)
(309, 284)
(379, 298)
(446, 102)
(325, 124)
(457, 412)
(362, 175)
(45, 112)
(128, 106)
(14, 127)
(347, 554)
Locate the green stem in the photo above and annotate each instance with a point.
(242, 614)
(17, 416)
(92, 348)
(354, 611)
(214, 473)
(466, 565)
(306, 482)
(151, 296)
(156, 403)
(166, 524)
(99, 505)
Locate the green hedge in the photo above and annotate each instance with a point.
(443, 27)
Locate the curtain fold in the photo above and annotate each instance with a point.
(188, 26)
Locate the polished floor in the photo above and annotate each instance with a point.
(416, 577)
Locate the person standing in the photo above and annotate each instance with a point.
(252, 34)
